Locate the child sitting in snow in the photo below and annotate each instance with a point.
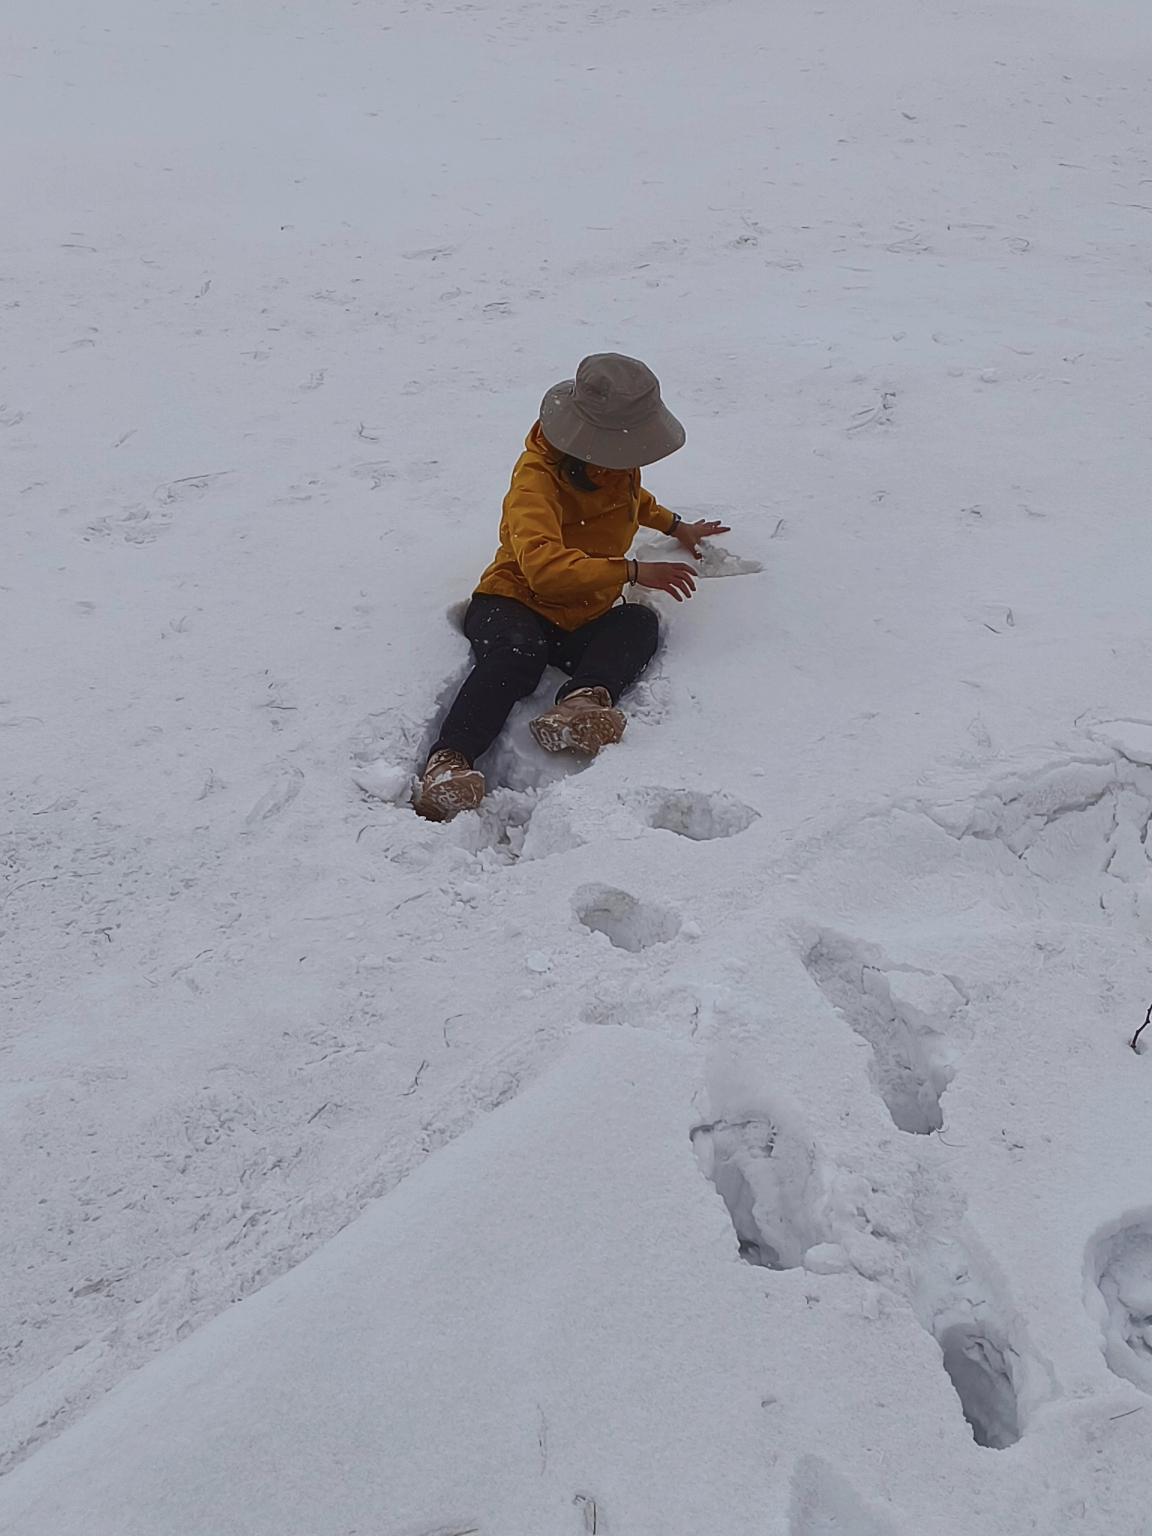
(553, 593)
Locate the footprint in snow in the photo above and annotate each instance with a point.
(775, 1187)
(824, 1503)
(691, 813)
(906, 1016)
(766, 1178)
(1123, 1269)
(980, 1369)
(626, 922)
(276, 799)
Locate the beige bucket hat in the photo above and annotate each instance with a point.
(611, 414)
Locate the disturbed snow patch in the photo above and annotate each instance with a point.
(497, 827)
(517, 771)
(1079, 826)
(392, 746)
(715, 559)
(500, 824)
(395, 741)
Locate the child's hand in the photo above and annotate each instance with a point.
(690, 534)
(666, 576)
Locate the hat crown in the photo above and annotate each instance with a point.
(610, 414)
(614, 391)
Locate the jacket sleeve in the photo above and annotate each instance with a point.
(532, 524)
(651, 514)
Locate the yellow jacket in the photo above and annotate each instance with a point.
(562, 550)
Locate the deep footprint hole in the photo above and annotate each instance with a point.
(762, 1179)
(625, 921)
(723, 1152)
(980, 1373)
(691, 813)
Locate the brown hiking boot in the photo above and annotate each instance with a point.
(450, 785)
(584, 721)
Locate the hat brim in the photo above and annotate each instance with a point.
(609, 447)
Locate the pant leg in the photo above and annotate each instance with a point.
(511, 650)
(608, 652)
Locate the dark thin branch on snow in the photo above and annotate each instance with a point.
(415, 1081)
(1140, 1031)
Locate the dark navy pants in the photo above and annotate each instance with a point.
(513, 644)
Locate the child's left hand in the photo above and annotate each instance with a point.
(690, 534)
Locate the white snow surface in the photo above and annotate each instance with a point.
(740, 1134)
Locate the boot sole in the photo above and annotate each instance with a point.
(586, 735)
(443, 801)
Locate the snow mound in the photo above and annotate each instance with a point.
(715, 560)
(384, 781)
(1131, 738)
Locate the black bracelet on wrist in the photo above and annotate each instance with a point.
(676, 521)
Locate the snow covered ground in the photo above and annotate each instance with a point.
(760, 1142)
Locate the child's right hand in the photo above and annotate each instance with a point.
(666, 576)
